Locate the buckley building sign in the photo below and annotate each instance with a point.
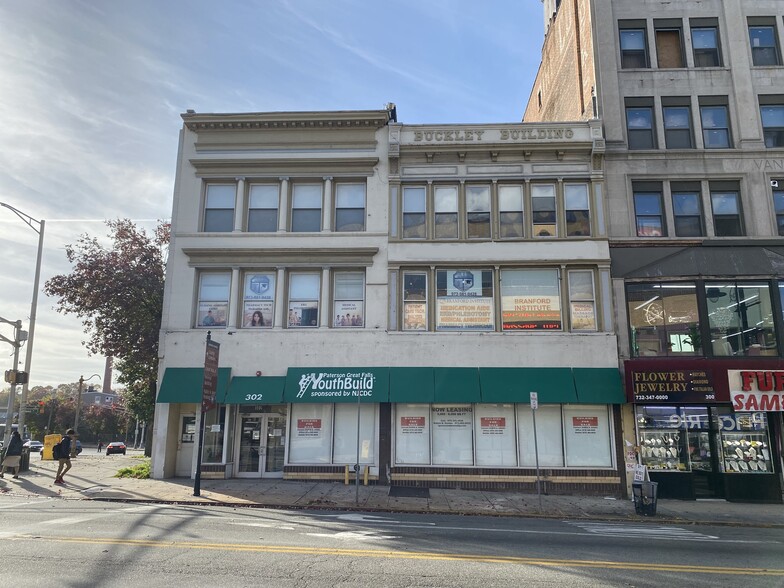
(519, 134)
(757, 390)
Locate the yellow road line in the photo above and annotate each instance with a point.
(421, 555)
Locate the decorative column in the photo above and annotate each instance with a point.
(281, 314)
(328, 207)
(324, 306)
(234, 299)
(239, 209)
(284, 206)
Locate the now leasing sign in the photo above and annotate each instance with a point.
(337, 385)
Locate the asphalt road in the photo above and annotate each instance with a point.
(54, 542)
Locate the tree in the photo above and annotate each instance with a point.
(118, 294)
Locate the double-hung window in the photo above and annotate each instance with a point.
(764, 44)
(349, 207)
(715, 122)
(304, 289)
(414, 301)
(705, 46)
(725, 200)
(772, 114)
(213, 306)
(676, 113)
(778, 205)
(219, 208)
(306, 202)
(445, 222)
(349, 299)
(578, 212)
(634, 45)
(530, 300)
(478, 211)
(510, 211)
(582, 301)
(687, 209)
(639, 124)
(648, 210)
(414, 212)
(543, 210)
(263, 208)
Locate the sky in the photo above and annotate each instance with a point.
(91, 94)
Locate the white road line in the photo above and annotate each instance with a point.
(644, 531)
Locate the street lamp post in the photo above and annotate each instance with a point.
(82, 380)
(29, 220)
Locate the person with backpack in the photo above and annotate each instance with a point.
(62, 453)
(13, 455)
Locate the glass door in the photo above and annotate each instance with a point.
(276, 446)
(249, 454)
(262, 445)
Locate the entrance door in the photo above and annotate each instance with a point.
(184, 465)
(261, 447)
(703, 449)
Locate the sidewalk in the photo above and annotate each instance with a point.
(92, 478)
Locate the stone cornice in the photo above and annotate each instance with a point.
(288, 257)
(286, 120)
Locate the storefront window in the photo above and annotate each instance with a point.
(495, 435)
(549, 436)
(745, 444)
(530, 300)
(741, 319)
(664, 319)
(214, 434)
(311, 433)
(346, 442)
(465, 300)
(412, 434)
(662, 437)
(587, 436)
(452, 434)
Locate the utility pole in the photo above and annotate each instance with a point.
(12, 375)
(79, 400)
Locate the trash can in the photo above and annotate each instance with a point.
(645, 498)
(24, 462)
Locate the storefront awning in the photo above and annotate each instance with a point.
(598, 386)
(456, 385)
(255, 390)
(184, 385)
(554, 385)
(337, 384)
(411, 385)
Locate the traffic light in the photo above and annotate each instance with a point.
(16, 377)
(10, 376)
(41, 406)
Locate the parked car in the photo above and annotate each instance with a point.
(115, 447)
(33, 446)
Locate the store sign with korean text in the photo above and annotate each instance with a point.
(337, 385)
(756, 390)
(671, 386)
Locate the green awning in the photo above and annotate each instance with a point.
(333, 384)
(184, 385)
(255, 390)
(411, 385)
(598, 385)
(554, 385)
(456, 385)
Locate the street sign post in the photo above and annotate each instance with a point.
(534, 407)
(208, 391)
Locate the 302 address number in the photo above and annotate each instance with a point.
(254, 397)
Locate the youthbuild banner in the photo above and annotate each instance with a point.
(337, 385)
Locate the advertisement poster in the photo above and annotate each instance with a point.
(308, 427)
(585, 425)
(452, 417)
(349, 314)
(412, 425)
(492, 425)
(464, 283)
(531, 312)
(583, 316)
(465, 314)
(303, 314)
(415, 316)
(212, 314)
(257, 313)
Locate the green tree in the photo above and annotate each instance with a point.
(118, 294)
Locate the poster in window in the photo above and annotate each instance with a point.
(452, 435)
(534, 312)
(464, 314)
(587, 436)
(464, 283)
(308, 427)
(212, 314)
(583, 316)
(495, 435)
(348, 313)
(303, 314)
(415, 316)
(412, 435)
(257, 313)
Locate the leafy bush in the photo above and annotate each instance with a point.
(140, 471)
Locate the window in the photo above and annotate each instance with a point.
(306, 208)
(414, 210)
(349, 207)
(578, 214)
(346, 438)
(452, 427)
(669, 44)
(677, 127)
(349, 299)
(634, 48)
(258, 300)
(639, 126)
(495, 435)
(726, 211)
(582, 303)
(740, 315)
(446, 212)
(687, 209)
(412, 434)
(705, 45)
(478, 212)
(263, 208)
(778, 204)
(663, 318)
(549, 436)
(586, 436)
(764, 45)
(304, 300)
(311, 438)
(414, 301)
(510, 212)
(649, 212)
(219, 208)
(530, 300)
(213, 299)
(715, 126)
(772, 120)
(543, 210)
(464, 300)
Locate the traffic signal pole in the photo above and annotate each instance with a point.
(11, 376)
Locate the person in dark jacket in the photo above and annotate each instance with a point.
(13, 456)
(64, 456)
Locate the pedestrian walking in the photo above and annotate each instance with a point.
(13, 456)
(64, 455)
(100, 446)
